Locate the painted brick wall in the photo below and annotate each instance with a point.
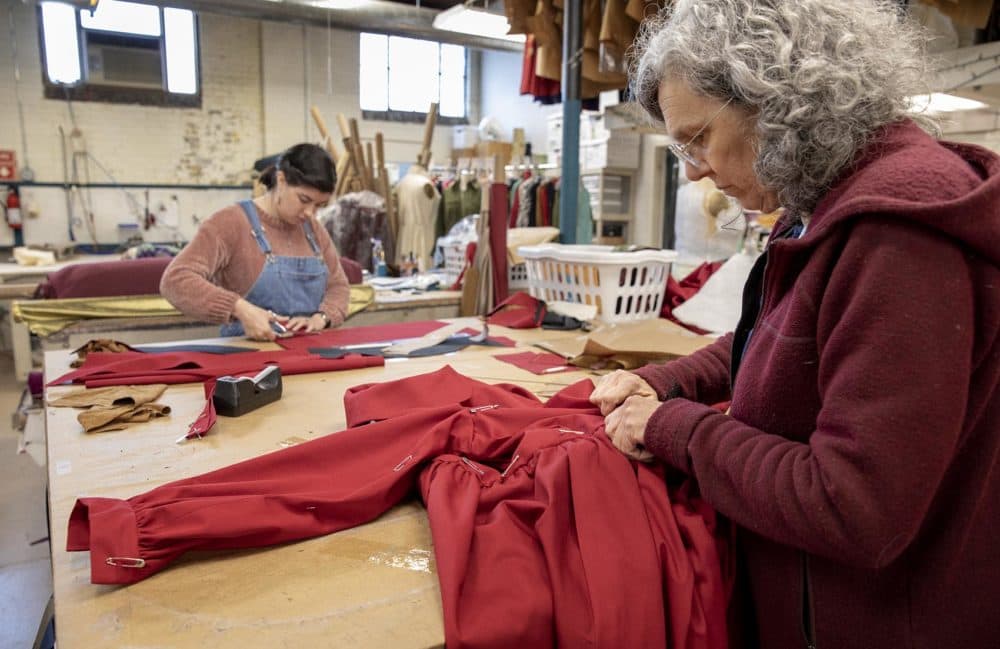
(258, 80)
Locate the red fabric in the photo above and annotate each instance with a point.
(207, 417)
(677, 293)
(531, 83)
(544, 534)
(119, 277)
(352, 270)
(537, 363)
(862, 448)
(361, 335)
(519, 311)
(502, 340)
(498, 240)
(137, 368)
(470, 257)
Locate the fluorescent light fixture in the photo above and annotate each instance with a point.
(477, 22)
(127, 17)
(940, 102)
(62, 49)
(182, 70)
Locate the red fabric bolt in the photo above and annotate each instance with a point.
(532, 511)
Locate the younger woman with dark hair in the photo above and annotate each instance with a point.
(264, 265)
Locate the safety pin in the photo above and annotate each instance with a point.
(489, 407)
(510, 466)
(125, 562)
(568, 430)
(403, 463)
(473, 466)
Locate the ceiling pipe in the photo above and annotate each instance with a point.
(375, 16)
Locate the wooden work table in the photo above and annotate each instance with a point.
(371, 586)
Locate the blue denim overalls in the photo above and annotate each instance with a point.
(288, 286)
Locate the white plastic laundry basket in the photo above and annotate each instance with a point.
(454, 262)
(624, 286)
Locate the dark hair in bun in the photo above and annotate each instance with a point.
(303, 164)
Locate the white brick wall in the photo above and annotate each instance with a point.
(256, 92)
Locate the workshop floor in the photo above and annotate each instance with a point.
(25, 567)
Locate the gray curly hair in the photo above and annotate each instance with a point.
(820, 76)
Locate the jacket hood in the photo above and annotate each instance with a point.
(905, 173)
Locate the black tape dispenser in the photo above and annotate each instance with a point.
(238, 395)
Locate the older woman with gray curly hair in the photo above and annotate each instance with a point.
(860, 456)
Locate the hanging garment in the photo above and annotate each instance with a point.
(498, 240)
(353, 221)
(289, 286)
(532, 511)
(133, 368)
(417, 200)
(457, 202)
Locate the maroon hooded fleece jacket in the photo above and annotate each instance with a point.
(861, 455)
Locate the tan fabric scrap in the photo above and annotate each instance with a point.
(102, 420)
(111, 396)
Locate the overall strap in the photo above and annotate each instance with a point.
(258, 231)
(311, 237)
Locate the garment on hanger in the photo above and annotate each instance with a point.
(457, 202)
(517, 492)
(354, 220)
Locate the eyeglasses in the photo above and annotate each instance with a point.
(682, 151)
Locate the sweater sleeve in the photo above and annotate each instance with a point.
(702, 376)
(188, 281)
(335, 300)
(895, 361)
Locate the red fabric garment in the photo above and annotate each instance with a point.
(677, 293)
(498, 240)
(361, 335)
(137, 368)
(861, 451)
(533, 513)
(537, 362)
(519, 311)
(105, 279)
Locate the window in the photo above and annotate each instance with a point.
(401, 77)
(122, 52)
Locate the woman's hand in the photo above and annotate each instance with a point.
(613, 389)
(256, 321)
(626, 426)
(303, 323)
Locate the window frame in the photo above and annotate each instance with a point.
(85, 90)
(414, 117)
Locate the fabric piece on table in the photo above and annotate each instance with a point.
(133, 368)
(361, 335)
(112, 396)
(517, 492)
(98, 345)
(193, 347)
(45, 317)
(537, 362)
(207, 417)
(493, 340)
(102, 420)
(519, 311)
(446, 346)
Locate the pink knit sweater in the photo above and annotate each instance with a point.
(223, 261)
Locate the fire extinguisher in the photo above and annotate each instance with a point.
(13, 212)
